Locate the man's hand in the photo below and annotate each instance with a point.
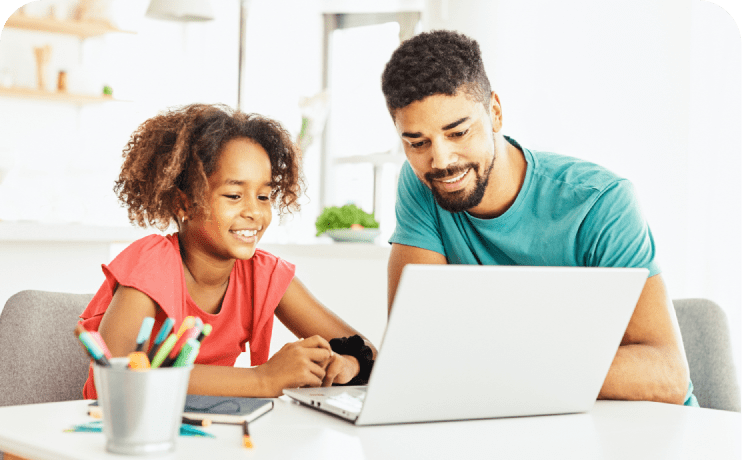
(650, 364)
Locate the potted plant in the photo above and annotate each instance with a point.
(347, 223)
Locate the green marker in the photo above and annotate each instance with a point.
(188, 353)
(204, 333)
(164, 350)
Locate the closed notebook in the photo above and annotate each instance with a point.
(225, 409)
(218, 409)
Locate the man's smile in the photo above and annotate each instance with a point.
(454, 183)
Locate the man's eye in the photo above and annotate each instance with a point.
(417, 145)
(459, 133)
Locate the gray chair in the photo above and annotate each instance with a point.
(40, 358)
(705, 331)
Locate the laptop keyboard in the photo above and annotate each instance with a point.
(351, 400)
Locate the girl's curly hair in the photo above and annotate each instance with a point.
(178, 150)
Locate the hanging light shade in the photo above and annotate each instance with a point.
(180, 10)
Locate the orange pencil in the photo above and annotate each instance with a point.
(246, 436)
(188, 322)
(196, 422)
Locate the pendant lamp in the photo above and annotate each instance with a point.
(180, 10)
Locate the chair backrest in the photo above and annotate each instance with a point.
(705, 332)
(40, 358)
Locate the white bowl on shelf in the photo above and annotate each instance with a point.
(349, 235)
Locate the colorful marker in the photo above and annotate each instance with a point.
(138, 361)
(144, 331)
(163, 351)
(165, 329)
(188, 353)
(204, 333)
(199, 324)
(188, 322)
(191, 333)
(101, 343)
(93, 349)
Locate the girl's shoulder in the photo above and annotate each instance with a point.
(150, 248)
(263, 260)
(157, 241)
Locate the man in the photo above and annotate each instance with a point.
(470, 195)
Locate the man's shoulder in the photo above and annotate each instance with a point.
(573, 172)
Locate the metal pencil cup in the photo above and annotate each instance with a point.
(142, 410)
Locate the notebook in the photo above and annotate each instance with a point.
(225, 409)
(471, 342)
(218, 409)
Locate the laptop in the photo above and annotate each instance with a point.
(470, 342)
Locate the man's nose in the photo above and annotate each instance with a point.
(442, 155)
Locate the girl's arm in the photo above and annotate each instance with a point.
(297, 364)
(306, 317)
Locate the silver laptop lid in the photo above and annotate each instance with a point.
(469, 342)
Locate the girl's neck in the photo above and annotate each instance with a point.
(202, 270)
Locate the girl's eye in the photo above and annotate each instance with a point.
(233, 197)
(264, 198)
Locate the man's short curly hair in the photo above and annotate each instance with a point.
(178, 150)
(436, 62)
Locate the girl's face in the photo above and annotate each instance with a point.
(239, 202)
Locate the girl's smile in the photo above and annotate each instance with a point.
(239, 203)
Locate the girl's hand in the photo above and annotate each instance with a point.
(297, 364)
(340, 369)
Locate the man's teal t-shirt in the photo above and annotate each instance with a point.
(569, 212)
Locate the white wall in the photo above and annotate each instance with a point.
(650, 89)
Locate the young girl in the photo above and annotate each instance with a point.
(217, 173)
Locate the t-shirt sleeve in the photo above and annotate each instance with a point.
(149, 265)
(416, 213)
(272, 277)
(614, 232)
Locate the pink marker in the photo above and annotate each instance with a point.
(99, 340)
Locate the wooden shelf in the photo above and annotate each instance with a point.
(30, 93)
(82, 29)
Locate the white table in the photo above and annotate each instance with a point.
(612, 430)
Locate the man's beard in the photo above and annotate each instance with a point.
(458, 201)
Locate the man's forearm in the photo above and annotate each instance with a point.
(646, 373)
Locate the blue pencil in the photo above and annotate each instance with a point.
(167, 326)
(144, 332)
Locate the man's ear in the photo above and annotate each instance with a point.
(495, 112)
